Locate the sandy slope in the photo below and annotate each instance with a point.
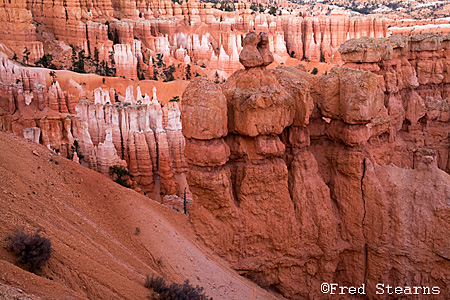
(91, 221)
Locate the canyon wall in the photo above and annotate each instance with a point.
(138, 132)
(343, 178)
(17, 30)
(142, 136)
(187, 33)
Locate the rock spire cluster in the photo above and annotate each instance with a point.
(133, 32)
(316, 179)
(138, 133)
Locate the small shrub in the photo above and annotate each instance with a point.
(175, 99)
(33, 251)
(46, 62)
(158, 284)
(175, 291)
(121, 175)
(322, 58)
(188, 72)
(314, 71)
(273, 11)
(216, 78)
(26, 55)
(168, 73)
(53, 76)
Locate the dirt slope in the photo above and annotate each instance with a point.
(106, 238)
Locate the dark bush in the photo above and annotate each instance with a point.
(175, 291)
(121, 175)
(188, 72)
(76, 148)
(46, 62)
(175, 99)
(33, 251)
(168, 73)
(158, 284)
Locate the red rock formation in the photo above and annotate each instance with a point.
(126, 61)
(21, 89)
(33, 134)
(106, 154)
(204, 125)
(133, 136)
(175, 137)
(169, 185)
(60, 100)
(56, 134)
(17, 30)
(414, 73)
(140, 163)
(309, 184)
(25, 103)
(153, 153)
(170, 29)
(97, 34)
(319, 38)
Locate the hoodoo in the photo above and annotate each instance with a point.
(262, 150)
(340, 178)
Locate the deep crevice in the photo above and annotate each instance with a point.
(122, 147)
(363, 219)
(88, 43)
(235, 182)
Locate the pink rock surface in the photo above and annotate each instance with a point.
(296, 179)
(133, 136)
(204, 106)
(358, 149)
(257, 104)
(17, 30)
(171, 29)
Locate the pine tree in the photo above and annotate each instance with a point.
(188, 72)
(26, 54)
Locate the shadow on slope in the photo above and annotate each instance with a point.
(105, 238)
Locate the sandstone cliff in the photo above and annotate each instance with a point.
(134, 32)
(105, 238)
(17, 30)
(340, 178)
(137, 133)
(192, 33)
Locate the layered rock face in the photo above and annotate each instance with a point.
(133, 135)
(138, 133)
(17, 30)
(27, 102)
(299, 180)
(414, 74)
(187, 33)
(318, 38)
